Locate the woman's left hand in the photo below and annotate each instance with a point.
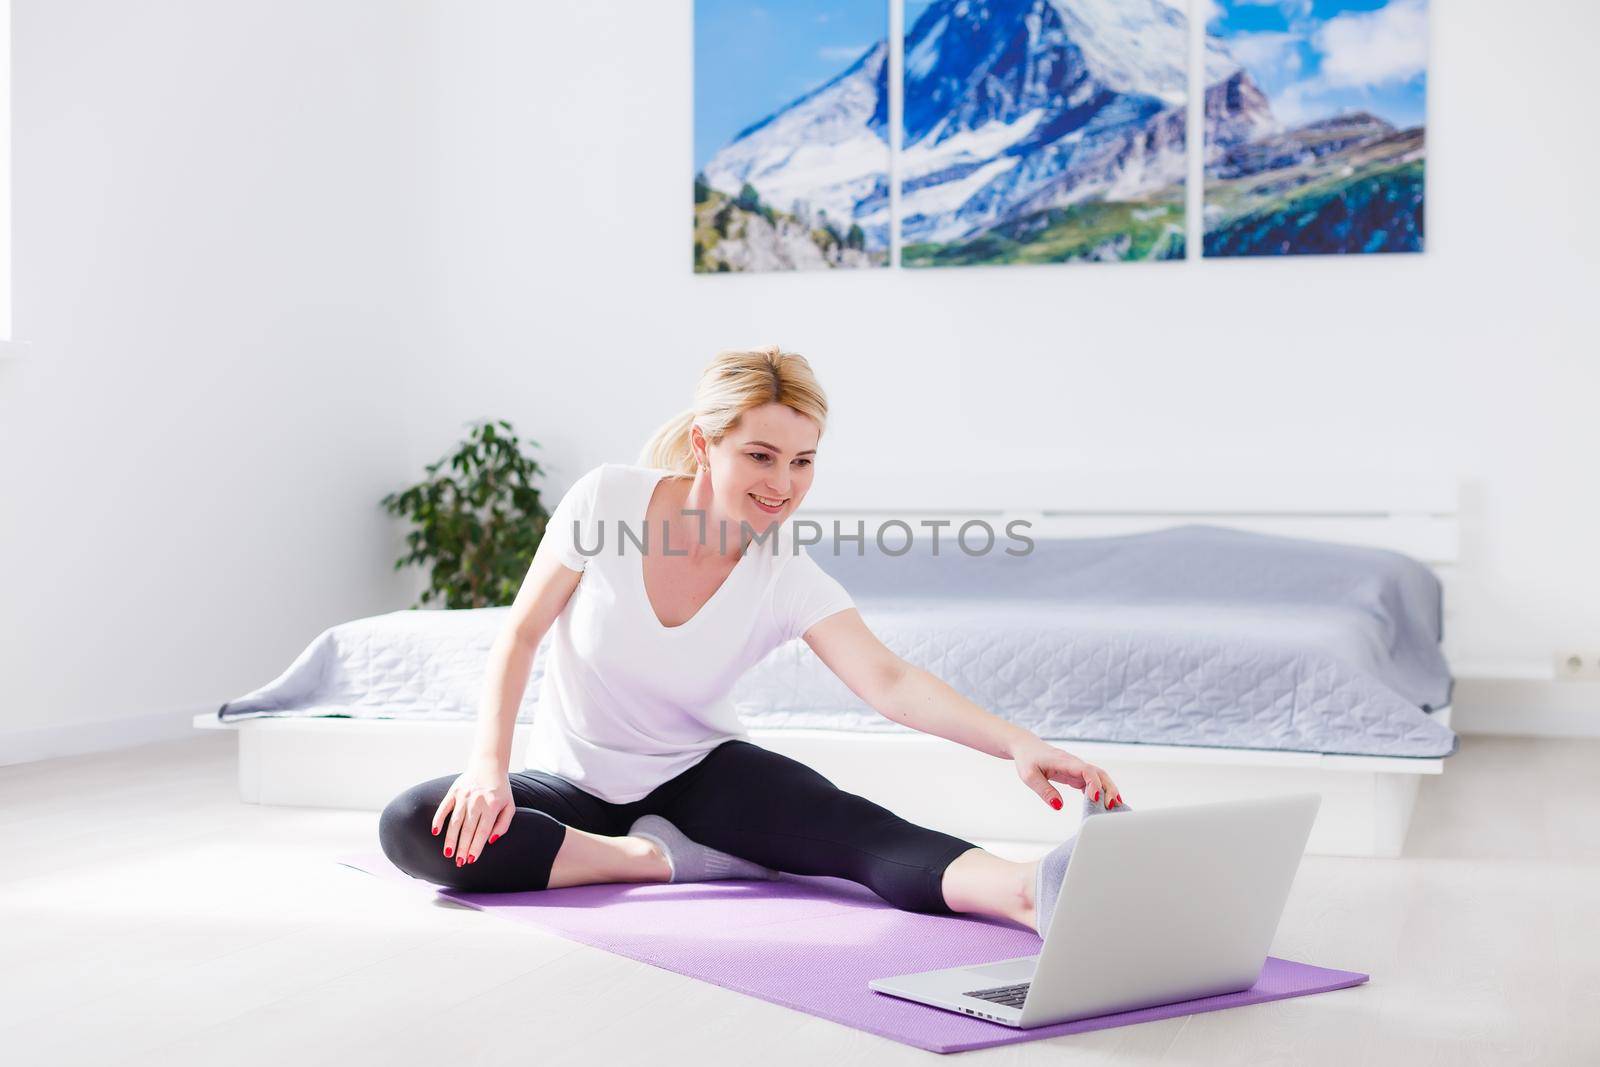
(1039, 763)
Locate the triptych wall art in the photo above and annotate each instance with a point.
(1043, 131)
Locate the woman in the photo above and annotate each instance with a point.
(656, 601)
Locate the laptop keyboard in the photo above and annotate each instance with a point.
(1011, 996)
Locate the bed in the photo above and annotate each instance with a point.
(1196, 655)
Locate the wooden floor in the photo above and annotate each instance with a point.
(146, 916)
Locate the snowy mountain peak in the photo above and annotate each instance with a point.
(859, 92)
(969, 64)
(827, 151)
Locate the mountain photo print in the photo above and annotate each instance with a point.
(1041, 131)
(791, 135)
(1051, 131)
(1316, 146)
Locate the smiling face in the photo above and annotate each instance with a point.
(762, 468)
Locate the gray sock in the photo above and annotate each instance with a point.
(691, 861)
(1053, 867)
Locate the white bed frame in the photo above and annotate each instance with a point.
(1367, 801)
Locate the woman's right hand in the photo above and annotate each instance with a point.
(479, 805)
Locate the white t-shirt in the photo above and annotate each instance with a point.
(627, 703)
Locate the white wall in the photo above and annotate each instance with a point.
(571, 307)
(241, 226)
(222, 260)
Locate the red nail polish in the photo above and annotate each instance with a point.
(493, 838)
(447, 852)
(1055, 802)
(1096, 795)
(470, 859)
(435, 831)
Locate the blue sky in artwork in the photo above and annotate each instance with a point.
(1315, 58)
(752, 58)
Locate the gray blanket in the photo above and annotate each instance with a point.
(1195, 635)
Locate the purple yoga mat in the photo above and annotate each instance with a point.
(812, 944)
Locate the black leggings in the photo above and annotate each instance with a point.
(739, 798)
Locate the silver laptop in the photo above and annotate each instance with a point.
(1158, 906)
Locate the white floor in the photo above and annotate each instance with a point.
(148, 917)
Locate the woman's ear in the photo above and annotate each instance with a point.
(697, 446)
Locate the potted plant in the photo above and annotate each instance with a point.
(476, 524)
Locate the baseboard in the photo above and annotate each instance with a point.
(100, 735)
(1526, 707)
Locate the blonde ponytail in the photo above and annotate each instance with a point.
(668, 448)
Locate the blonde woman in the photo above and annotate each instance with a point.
(659, 584)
